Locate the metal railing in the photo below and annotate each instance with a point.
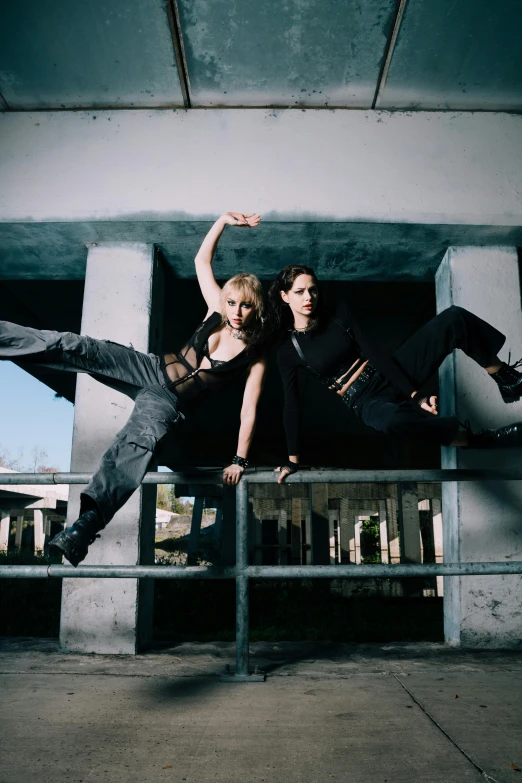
(242, 572)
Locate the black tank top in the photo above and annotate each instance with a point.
(191, 382)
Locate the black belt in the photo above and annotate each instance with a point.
(354, 391)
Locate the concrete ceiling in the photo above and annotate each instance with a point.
(391, 54)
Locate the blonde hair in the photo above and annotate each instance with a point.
(249, 287)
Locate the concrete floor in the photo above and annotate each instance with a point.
(396, 713)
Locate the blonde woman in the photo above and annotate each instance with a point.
(224, 347)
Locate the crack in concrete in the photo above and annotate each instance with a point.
(446, 734)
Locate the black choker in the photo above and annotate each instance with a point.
(301, 331)
(239, 334)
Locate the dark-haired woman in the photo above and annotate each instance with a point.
(224, 347)
(381, 390)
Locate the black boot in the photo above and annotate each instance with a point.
(509, 381)
(73, 542)
(509, 437)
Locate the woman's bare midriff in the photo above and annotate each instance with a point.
(353, 378)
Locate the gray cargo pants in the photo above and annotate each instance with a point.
(138, 375)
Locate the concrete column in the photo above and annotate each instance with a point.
(344, 529)
(481, 520)
(122, 302)
(195, 529)
(39, 535)
(5, 524)
(409, 524)
(357, 539)
(228, 546)
(18, 531)
(320, 525)
(383, 532)
(282, 524)
(296, 531)
(393, 530)
(436, 516)
(333, 514)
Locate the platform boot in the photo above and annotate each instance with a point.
(508, 437)
(509, 381)
(73, 542)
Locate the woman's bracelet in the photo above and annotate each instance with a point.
(241, 461)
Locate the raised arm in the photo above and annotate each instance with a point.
(253, 389)
(203, 261)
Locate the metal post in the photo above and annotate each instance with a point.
(242, 609)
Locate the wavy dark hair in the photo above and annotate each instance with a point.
(280, 316)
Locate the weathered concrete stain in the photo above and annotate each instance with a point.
(338, 251)
(457, 55)
(64, 55)
(298, 52)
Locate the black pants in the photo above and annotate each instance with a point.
(386, 410)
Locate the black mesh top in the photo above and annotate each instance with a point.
(330, 350)
(189, 380)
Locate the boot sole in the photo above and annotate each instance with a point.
(56, 548)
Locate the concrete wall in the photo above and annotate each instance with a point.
(292, 165)
(481, 520)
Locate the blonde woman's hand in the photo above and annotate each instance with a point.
(286, 470)
(249, 220)
(232, 474)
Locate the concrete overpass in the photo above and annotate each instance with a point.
(380, 139)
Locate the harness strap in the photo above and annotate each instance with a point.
(330, 382)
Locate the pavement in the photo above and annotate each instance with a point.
(391, 713)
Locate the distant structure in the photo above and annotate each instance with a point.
(26, 506)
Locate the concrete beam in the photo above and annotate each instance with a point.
(423, 167)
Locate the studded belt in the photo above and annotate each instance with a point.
(354, 391)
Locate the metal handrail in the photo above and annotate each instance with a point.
(329, 476)
(242, 572)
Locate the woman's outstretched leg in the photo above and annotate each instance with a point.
(423, 353)
(114, 365)
(121, 470)
(420, 357)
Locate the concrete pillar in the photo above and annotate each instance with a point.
(383, 532)
(320, 525)
(409, 524)
(296, 532)
(333, 514)
(436, 516)
(393, 530)
(195, 529)
(5, 524)
(344, 529)
(122, 302)
(282, 524)
(357, 539)
(19, 530)
(39, 534)
(228, 546)
(481, 520)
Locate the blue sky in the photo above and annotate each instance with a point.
(32, 416)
